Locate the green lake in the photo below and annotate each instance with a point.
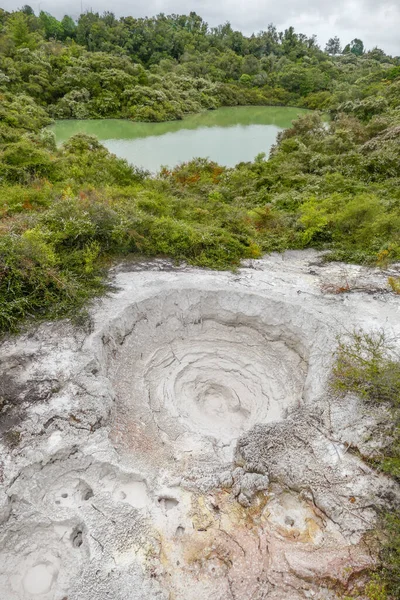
(227, 135)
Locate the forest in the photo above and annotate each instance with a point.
(161, 68)
(67, 213)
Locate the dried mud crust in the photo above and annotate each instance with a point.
(186, 445)
(202, 365)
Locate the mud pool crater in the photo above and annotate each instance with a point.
(210, 363)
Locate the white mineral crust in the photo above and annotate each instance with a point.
(185, 444)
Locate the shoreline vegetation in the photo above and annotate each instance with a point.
(66, 213)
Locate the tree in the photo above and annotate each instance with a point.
(108, 18)
(85, 24)
(250, 66)
(27, 10)
(52, 27)
(68, 26)
(356, 47)
(333, 46)
(18, 27)
(378, 54)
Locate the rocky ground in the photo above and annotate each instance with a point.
(184, 444)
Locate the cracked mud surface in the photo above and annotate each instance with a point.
(185, 445)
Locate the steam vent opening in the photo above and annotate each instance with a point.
(210, 364)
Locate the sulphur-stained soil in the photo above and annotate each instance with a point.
(184, 444)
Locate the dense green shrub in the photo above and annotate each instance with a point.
(32, 282)
(23, 161)
(367, 365)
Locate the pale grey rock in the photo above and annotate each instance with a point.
(185, 444)
(246, 485)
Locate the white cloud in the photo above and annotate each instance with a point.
(376, 22)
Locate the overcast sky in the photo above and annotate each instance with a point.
(376, 22)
